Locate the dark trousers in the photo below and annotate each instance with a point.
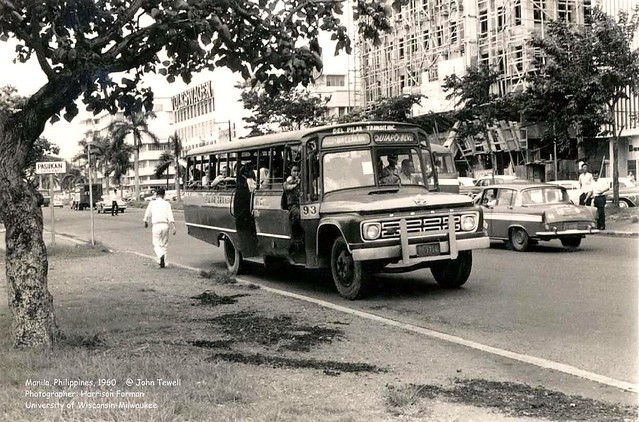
(114, 208)
(582, 200)
(600, 203)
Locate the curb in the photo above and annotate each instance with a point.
(613, 233)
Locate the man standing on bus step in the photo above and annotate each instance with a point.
(292, 193)
(114, 202)
(160, 213)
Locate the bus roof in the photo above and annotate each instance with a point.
(282, 137)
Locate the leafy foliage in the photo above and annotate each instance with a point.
(394, 109)
(288, 110)
(477, 106)
(42, 150)
(585, 70)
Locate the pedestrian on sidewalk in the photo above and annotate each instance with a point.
(161, 215)
(599, 189)
(114, 202)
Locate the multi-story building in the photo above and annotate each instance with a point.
(149, 150)
(432, 39)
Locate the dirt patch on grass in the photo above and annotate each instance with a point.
(279, 331)
(211, 298)
(329, 367)
(215, 344)
(514, 399)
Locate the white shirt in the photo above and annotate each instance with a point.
(585, 182)
(599, 187)
(114, 196)
(159, 211)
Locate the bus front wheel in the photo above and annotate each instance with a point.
(233, 258)
(454, 273)
(349, 276)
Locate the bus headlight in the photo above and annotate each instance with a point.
(468, 223)
(371, 231)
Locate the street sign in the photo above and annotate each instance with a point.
(51, 167)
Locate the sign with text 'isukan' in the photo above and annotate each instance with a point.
(51, 167)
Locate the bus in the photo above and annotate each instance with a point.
(447, 175)
(355, 212)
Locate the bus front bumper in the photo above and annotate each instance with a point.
(426, 251)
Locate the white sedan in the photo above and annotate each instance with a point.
(104, 205)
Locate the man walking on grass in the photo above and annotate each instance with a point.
(160, 213)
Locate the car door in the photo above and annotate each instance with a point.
(502, 212)
(487, 201)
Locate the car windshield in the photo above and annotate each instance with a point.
(545, 195)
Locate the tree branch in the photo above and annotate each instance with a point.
(101, 42)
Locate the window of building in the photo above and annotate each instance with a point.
(519, 58)
(440, 35)
(517, 12)
(564, 11)
(453, 32)
(426, 39)
(483, 22)
(501, 18)
(335, 80)
(539, 11)
(401, 48)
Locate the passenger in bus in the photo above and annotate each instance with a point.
(390, 173)
(407, 174)
(292, 194)
(263, 176)
(224, 173)
(242, 199)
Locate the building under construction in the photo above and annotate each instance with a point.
(432, 39)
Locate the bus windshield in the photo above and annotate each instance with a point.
(357, 168)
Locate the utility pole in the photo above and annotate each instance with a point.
(90, 193)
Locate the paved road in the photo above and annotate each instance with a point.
(573, 307)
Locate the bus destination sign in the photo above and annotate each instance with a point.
(345, 139)
(394, 137)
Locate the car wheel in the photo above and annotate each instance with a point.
(233, 258)
(624, 203)
(349, 276)
(519, 239)
(454, 273)
(571, 241)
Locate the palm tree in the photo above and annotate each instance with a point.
(165, 162)
(137, 126)
(168, 159)
(73, 176)
(119, 162)
(99, 152)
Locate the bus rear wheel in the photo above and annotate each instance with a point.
(454, 273)
(233, 258)
(349, 276)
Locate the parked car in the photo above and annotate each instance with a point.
(466, 181)
(104, 205)
(484, 181)
(524, 213)
(58, 202)
(628, 192)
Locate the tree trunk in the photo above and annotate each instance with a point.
(177, 181)
(33, 321)
(136, 171)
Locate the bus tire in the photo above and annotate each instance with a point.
(349, 276)
(454, 273)
(233, 258)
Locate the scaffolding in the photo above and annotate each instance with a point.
(428, 33)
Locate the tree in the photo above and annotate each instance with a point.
(478, 107)
(287, 110)
(394, 109)
(585, 71)
(175, 144)
(73, 176)
(119, 161)
(167, 160)
(137, 126)
(98, 148)
(79, 45)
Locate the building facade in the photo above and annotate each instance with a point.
(432, 39)
(149, 151)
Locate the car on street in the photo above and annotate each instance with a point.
(484, 181)
(522, 214)
(466, 181)
(628, 192)
(58, 202)
(104, 205)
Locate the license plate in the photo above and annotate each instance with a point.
(428, 249)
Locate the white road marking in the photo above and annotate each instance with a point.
(532, 360)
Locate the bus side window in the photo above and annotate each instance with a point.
(277, 169)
